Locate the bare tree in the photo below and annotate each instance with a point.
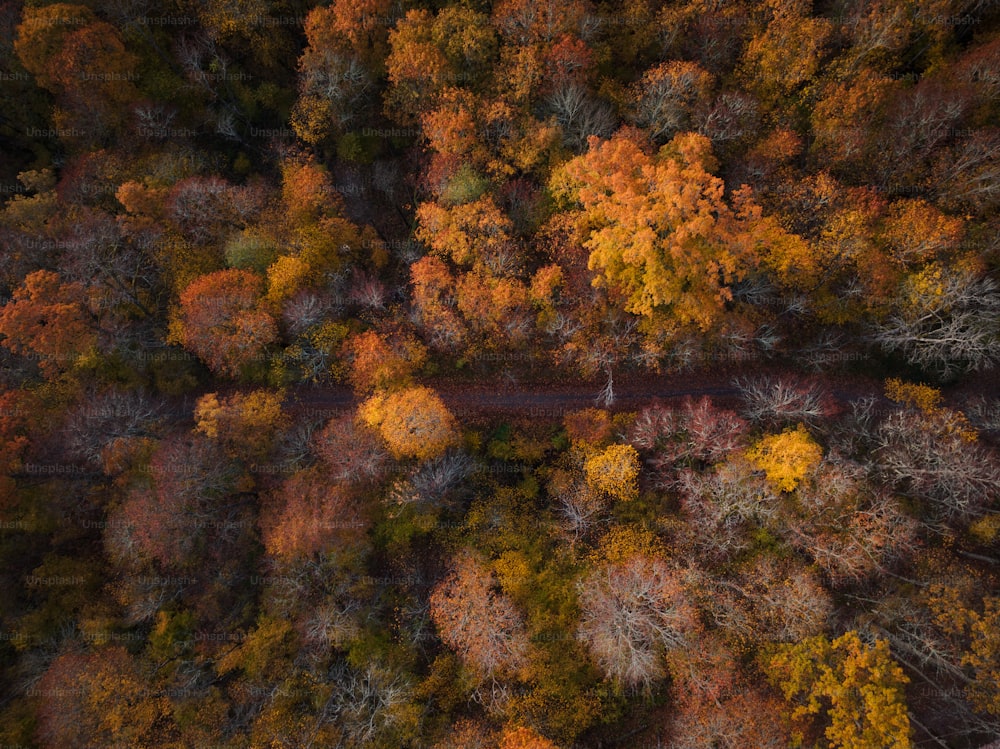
(983, 413)
(607, 395)
(735, 115)
(343, 81)
(847, 527)
(580, 115)
(432, 481)
(723, 506)
(925, 457)
(862, 542)
(950, 322)
(772, 600)
(697, 431)
(777, 402)
(969, 174)
(578, 506)
(631, 611)
(854, 434)
(367, 704)
(98, 421)
(666, 96)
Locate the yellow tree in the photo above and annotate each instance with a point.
(285, 276)
(245, 424)
(614, 471)
(466, 233)
(915, 232)
(659, 233)
(418, 69)
(787, 53)
(977, 634)
(100, 698)
(786, 458)
(415, 423)
(858, 689)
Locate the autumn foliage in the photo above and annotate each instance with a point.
(46, 319)
(678, 246)
(786, 458)
(495, 375)
(614, 471)
(219, 320)
(855, 689)
(482, 626)
(310, 514)
(414, 422)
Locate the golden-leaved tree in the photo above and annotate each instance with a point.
(859, 688)
(614, 471)
(660, 235)
(786, 458)
(414, 422)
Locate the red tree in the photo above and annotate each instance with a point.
(310, 514)
(352, 452)
(219, 320)
(169, 517)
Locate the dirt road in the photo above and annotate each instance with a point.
(551, 401)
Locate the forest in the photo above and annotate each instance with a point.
(500, 374)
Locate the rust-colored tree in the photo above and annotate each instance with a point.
(171, 516)
(84, 62)
(13, 442)
(310, 514)
(717, 706)
(352, 452)
(219, 320)
(100, 698)
(46, 320)
(418, 69)
(481, 625)
(383, 362)
(434, 301)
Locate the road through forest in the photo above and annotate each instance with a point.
(550, 401)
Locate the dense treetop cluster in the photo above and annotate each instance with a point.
(215, 215)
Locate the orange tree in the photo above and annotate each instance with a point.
(660, 235)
